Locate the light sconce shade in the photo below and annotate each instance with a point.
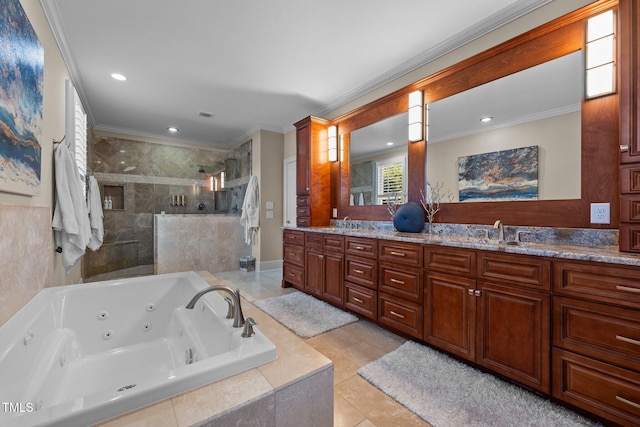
(600, 55)
(333, 144)
(415, 116)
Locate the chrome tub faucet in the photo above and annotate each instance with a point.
(236, 307)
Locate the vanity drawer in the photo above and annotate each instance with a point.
(303, 211)
(405, 282)
(302, 200)
(332, 242)
(293, 254)
(361, 300)
(401, 253)
(605, 390)
(361, 247)
(601, 282)
(527, 271)
(313, 240)
(449, 260)
(361, 271)
(604, 332)
(630, 179)
(295, 237)
(402, 315)
(303, 221)
(630, 208)
(293, 274)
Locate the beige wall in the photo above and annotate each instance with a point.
(29, 263)
(268, 153)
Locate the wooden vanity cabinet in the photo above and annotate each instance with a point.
(313, 184)
(498, 324)
(449, 300)
(596, 338)
(293, 259)
(324, 265)
(400, 290)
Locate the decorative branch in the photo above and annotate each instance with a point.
(392, 204)
(431, 201)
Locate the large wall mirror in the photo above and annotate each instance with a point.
(576, 140)
(515, 138)
(378, 162)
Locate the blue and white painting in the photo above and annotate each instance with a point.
(21, 86)
(498, 176)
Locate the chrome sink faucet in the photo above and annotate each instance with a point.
(500, 227)
(347, 222)
(238, 317)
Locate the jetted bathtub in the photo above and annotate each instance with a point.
(80, 354)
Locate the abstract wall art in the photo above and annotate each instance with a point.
(500, 175)
(21, 87)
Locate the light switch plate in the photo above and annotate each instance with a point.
(600, 213)
(269, 205)
(269, 214)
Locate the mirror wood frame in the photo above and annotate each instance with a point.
(600, 133)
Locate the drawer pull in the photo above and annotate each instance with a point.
(628, 402)
(628, 289)
(628, 340)
(360, 248)
(358, 300)
(400, 282)
(292, 254)
(397, 314)
(291, 274)
(358, 271)
(398, 253)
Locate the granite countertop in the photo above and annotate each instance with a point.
(596, 253)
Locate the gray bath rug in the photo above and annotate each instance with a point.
(304, 314)
(448, 393)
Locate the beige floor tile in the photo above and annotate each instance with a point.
(375, 405)
(366, 423)
(344, 414)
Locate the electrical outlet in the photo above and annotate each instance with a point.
(600, 213)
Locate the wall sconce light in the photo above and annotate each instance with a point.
(600, 63)
(415, 116)
(333, 144)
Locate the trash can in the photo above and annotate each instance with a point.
(247, 263)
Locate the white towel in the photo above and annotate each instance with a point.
(250, 217)
(351, 200)
(72, 231)
(361, 199)
(95, 215)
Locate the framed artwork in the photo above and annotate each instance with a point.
(21, 87)
(500, 175)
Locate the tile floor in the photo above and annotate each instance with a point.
(357, 403)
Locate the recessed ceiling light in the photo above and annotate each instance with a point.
(486, 119)
(172, 129)
(118, 76)
(390, 143)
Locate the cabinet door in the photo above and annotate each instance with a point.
(333, 278)
(449, 315)
(314, 269)
(513, 334)
(302, 159)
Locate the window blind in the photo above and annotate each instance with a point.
(390, 180)
(76, 129)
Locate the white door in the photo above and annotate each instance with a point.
(289, 192)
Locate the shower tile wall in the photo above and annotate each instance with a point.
(145, 176)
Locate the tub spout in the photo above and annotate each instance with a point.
(238, 318)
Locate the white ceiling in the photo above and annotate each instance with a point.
(261, 64)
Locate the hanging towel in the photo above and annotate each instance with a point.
(95, 215)
(70, 223)
(250, 218)
(351, 200)
(361, 199)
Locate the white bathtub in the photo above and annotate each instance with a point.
(80, 354)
